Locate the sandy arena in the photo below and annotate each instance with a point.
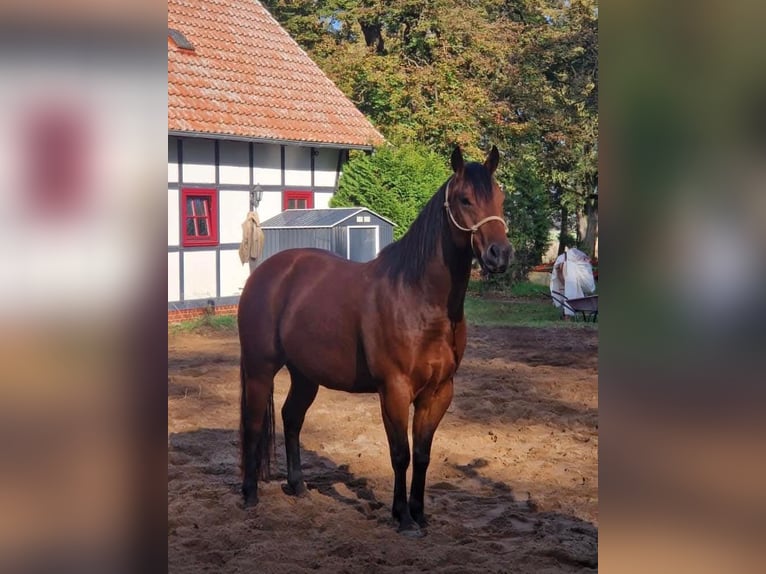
(512, 486)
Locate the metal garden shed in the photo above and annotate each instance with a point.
(355, 233)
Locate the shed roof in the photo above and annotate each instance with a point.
(244, 77)
(330, 217)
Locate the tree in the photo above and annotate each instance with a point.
(556, 97)
(527, 208)
(421, 70)
(521, 74)
(395, 182)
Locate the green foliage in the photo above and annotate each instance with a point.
(395, 181)
(528, 210)
(206, 322)
(556, 93)
(521, 74)
(421, 70)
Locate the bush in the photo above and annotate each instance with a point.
(528, 210)
(395, 182)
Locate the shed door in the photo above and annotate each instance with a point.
(362, 243)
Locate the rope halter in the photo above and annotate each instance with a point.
(475, 227)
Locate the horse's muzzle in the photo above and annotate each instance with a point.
(497, 257)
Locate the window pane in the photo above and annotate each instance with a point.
(200, 206)
(301, 204)
(189, 208)
(290, 204)
(190, 229)
(202, 225)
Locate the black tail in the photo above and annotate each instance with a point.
(264, 450)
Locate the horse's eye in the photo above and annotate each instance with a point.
(465, 201)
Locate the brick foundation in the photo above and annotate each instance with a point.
(180, 315)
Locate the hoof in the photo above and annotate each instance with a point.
(411, 531)
(249, 494)
(299, 491)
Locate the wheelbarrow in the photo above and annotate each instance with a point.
(586, 306)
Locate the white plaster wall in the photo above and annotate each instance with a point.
(234, 160)
(199, 274)
(267, 164)
(174, 217)
(172, 160)
(198, 160)
(325, 164)
(270, 205)
(322, 200)
(233, 273)
(174, 293)
(297, 166)
(232, 208)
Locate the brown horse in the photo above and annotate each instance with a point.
(392, 326)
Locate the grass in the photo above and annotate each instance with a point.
(521, 304)
(522, 289)
(496, 312)
(528, 289)
(206, 322)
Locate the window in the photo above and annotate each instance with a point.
(297, 200)
(200, 217)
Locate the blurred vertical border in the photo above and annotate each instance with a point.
(83, 135)
(683, 243)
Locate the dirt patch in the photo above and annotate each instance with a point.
(512, 486)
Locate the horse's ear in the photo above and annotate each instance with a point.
(492, 160)
(457, 159)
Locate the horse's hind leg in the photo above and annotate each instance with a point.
(257, 429)
(302, 394)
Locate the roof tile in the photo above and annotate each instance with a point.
(248, 78)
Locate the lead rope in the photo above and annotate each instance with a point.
(474, 228)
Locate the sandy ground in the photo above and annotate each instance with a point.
(512, 486)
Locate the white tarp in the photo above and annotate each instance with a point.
(572, 275)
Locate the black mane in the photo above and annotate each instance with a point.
(409, 256)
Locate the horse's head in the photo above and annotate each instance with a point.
(474, 203)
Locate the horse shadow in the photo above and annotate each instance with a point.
(214, 453)
(487, 511)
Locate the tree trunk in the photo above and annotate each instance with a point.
(373, 35)
(589, 225)
(564, 233)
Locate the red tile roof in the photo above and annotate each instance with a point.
(247, 78)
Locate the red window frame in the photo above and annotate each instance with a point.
(307, 195)
(211, 217)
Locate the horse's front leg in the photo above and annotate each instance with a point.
(395, 400)
(429, 410)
